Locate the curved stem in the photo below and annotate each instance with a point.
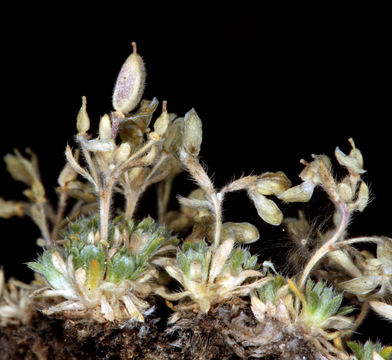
(104, 210)
(374, 239)
(327, 246)
(60, 213)
(217, 201)
(131, 197)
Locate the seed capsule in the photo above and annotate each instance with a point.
(130, 83)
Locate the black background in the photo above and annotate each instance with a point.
(271, 84)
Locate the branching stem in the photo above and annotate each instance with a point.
(328, 245)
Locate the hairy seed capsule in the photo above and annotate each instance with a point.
(130, 83)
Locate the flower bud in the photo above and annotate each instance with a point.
(82, 120)
(273, 183)
(10, 208)
(363, 196)
(300, 193)
(243, 233)
(123, 152)
(130, 83)
(162, 123)
(266, 208)
(67, 175)
(105, 128)
(345, 192)
(192, 133)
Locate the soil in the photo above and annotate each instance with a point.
(229, 332)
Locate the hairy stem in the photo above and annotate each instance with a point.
(131, 197)
(164, 190)
(43, 225)
(60, 212)
(328, 245)
(104, 210)
(217, 201)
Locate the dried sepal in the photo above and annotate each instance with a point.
(299, 193)
(381, 308)
(353, 161)
(273, 183)
(22, 169)
(10, 208)
(130, 83)
(361, 285)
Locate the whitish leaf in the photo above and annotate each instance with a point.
(361, 285)
(219, 258)
(382, 309)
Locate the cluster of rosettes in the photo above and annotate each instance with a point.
(316, 312)
(210, 277)
(109, 281)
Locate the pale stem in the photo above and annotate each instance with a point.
(78, 211)
(44, 227)
(217, 201)
(164, 190)
(141, 151)
(328, 245)
(60, 212)
(131, 197)
(104, 210)
(374, 239)
(359, 319)
(90, 164)
(152, 172)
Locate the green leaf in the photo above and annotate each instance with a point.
(313, 302)
(183, 263)
(332, 306)
(386, 352)
(368, 351)
(356, 349)
(237, 260)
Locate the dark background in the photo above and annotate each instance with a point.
(272, 86)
